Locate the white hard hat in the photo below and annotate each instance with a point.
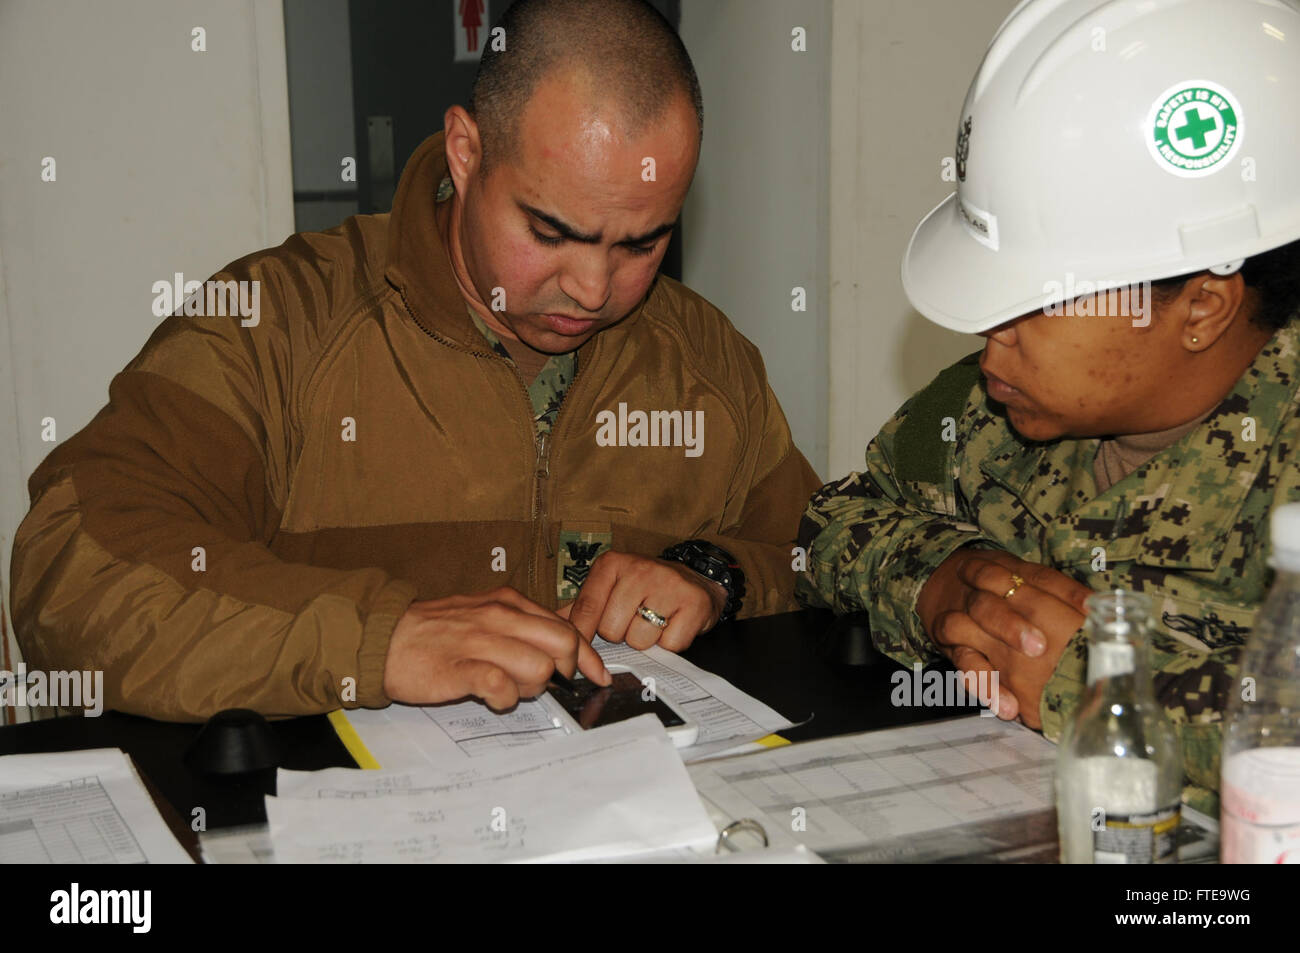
(1108, 142)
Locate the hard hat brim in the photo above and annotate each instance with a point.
(961, 284)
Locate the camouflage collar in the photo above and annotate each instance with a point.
(498, 348)
(546, 390)
(1176, 510)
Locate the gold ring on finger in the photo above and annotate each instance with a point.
(654, 618)
(1016, 583)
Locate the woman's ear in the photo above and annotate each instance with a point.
(1209, 305)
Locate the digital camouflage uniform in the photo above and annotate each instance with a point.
(1189, 528)
(546, 392)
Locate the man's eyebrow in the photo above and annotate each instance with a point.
(651, 235)
(572, 234)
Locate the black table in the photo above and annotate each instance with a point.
(788, 661)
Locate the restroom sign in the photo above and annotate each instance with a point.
(470, 22)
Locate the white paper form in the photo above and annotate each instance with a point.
(727, 716)
(80, 807)
(941, 789)
(248, 844)
(403, 736)
(611, 792)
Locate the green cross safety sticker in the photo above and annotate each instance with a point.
(1194, 128)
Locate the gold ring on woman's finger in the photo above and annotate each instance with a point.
(1016, 583)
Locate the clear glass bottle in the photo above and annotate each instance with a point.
(1260, 783)
(1119, 770)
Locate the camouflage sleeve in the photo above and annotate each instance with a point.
(872, 543)
(1191, 686)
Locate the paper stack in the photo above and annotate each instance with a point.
(613, 793)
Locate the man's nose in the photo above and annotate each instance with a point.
(585, 279)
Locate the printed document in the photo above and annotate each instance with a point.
(80, 807)
(617, 792)
(404, 736)
(966, 787)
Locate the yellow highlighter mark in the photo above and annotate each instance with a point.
(352, 741)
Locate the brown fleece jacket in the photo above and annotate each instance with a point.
(211, 539)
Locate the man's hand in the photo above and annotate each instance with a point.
(496, 645)
(964, 609)
(620, 583)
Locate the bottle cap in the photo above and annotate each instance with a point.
(1284, 527)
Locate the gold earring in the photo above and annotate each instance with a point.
(1196, 340)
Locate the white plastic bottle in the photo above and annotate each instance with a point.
(1260, 784)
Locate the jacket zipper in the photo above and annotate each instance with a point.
(543, 472)
(540, 444)
(542, 448)
(540, 536)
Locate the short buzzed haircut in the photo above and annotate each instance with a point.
(631, 54)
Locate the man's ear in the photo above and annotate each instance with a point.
(1211, 304)
(464, 148)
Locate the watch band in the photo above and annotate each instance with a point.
(716, 564)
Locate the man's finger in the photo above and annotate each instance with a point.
(517, 600)
(619, 619)
(642, 633)
(557, 637)
(683, 627)
(585, 612)
(524, 663)
(488, 682)
(591, 665)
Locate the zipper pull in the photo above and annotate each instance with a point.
(543, 455)
(543, 472)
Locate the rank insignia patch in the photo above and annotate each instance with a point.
(577, 551)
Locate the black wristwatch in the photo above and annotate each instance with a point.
(713, 563)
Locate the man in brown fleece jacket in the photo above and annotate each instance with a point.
(487, 391)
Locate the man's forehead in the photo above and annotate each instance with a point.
(606, 197)
(569, 122)
(586, 148)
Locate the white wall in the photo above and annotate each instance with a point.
(166, 160)
(756, 222)
(899, 74)
(816, 168)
